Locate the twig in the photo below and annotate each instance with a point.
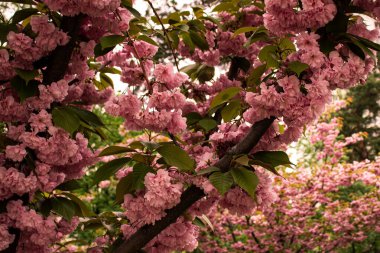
(165, 33)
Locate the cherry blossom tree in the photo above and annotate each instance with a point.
(325, 205)
(261, 72)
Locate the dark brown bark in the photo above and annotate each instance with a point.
(60, 57)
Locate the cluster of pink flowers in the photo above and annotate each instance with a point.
(327, 133)
(92, 8)
(282, 17)
(38, 155)
(37, 232)
(164, 112)
(26, 50)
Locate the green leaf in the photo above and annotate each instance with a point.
(99, 51)
(85, 211)
(27, 75)
(111, 41)
(265, 165)
(224, 96)
(188, 42)
(199, 40)
(225, 7)
(243, 160)
(86, 116)
(246, 179)
(206, 73)
(23, 14)
(231, 111)
(254, 79)
(133, 181)
(23, 90)
(244, 30)
(109, 169)
(114, 150)
(64, 207)
(208, 170)
(64, 118)
(69, 185)
(193, 118)
(208, 124)
(5, 29)
(297, 67)
(221, 181)
(147, 40)
(106, 80)
(268, 55)
(177, 157)
(275, 158)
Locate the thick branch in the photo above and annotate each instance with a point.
(60, 57)
(146, 233)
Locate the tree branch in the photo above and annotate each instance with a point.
(146, 233)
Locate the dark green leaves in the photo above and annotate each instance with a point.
(71, 118)
(109, 169)
(23, 14)
(65, 119)
(177, 157)
(23, 89)
(27, 75)
(114, 150)
(199, 40)
(64, 207)
(274, 158)
(221, 181)
(133, 181)
(246, 179)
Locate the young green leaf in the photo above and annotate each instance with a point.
(224, 96)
